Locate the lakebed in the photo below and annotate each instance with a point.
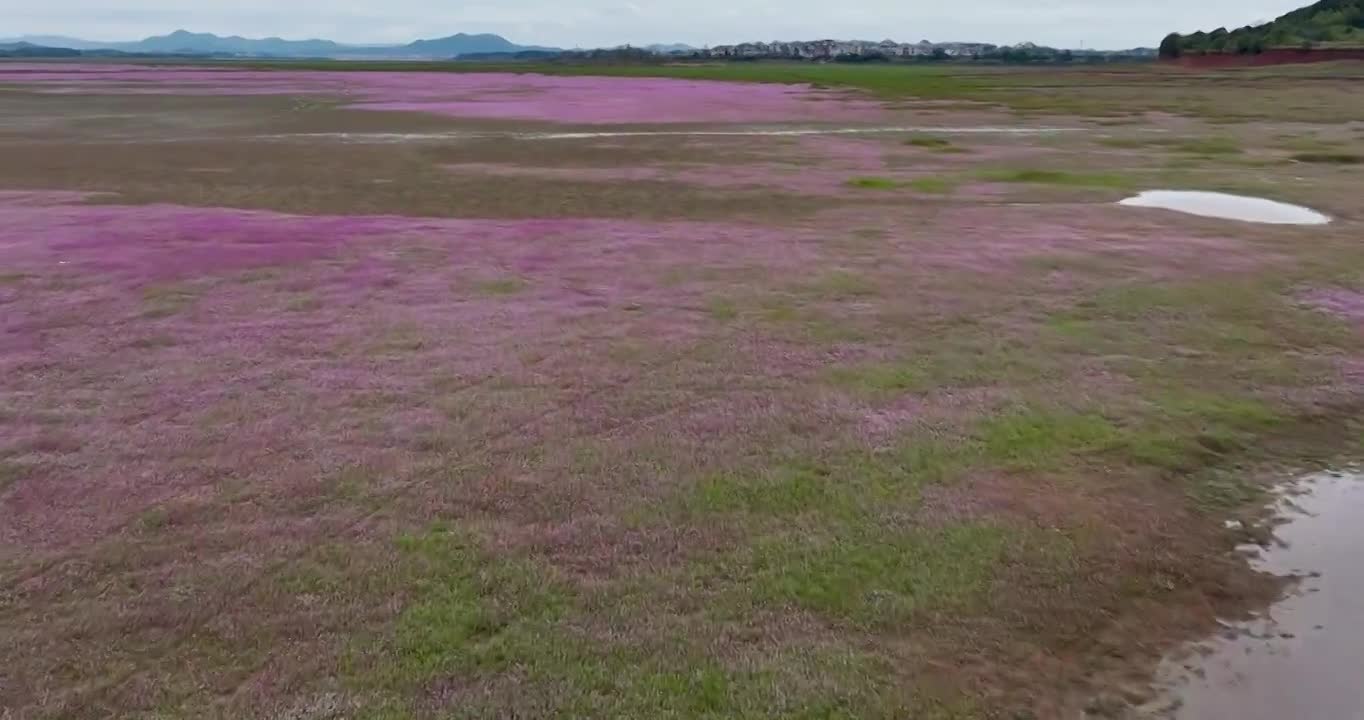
(344, 394)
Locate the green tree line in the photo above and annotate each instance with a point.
(1325, 23)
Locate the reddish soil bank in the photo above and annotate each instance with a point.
(1271, 57)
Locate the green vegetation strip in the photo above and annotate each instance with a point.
(508, 627)
(1056, 177)
(1190, 146)
(931, 185)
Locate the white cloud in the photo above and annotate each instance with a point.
(590, 23)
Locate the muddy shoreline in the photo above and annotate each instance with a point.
(1300, 657)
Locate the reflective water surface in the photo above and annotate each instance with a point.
(1229, 207)
(1303, 658)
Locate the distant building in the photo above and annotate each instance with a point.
(830, 49)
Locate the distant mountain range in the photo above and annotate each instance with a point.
(190, 43)
(29, 50)
(495, 47)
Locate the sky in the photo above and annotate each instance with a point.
(1105, 24)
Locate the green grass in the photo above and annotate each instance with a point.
(258, 275)
(935, 144)
(12, 472)
(1297, 143)
(875, 577)
(466, 614)
(1038, 439)
(795, 317)
(501, 286)
(928, 142)
(1218, 491)
(12, 278)
(398, 339)
(352, 481)
(847, 486)
(961, 363)
(1209, 146)
(1180, 430)
(784, 489)
(1080, 264)
(1185, 430)
(1239, 322)
(1056, 177)
(1206, 357)
(722, 309)
(937, 186)
(698, 691)
(883, 378)
(505, 626)
(839, 285)
(888, 81)
(163, 301)
(874, 183)
(322, 574)
(154, 342)
(1330, 158)
(1085, 92)
(154, 520)
(302, 302)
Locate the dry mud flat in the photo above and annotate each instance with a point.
(387, 395)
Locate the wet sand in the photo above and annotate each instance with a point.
(1303, 659)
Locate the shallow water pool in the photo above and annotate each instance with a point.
(1303, 657)
(1228, 207)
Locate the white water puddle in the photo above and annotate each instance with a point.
(1303, 658)
(1227, 207)
(381, 137)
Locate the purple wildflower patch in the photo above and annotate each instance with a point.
(1341, 302)
(574, 100)
(167, 316)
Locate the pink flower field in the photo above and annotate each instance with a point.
(501, 96)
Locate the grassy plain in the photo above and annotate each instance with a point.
(1082, 90)
(316, 412)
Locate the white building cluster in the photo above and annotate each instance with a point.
(830, 49)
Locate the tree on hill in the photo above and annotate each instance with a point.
(1338, 22)
(1172, 46)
